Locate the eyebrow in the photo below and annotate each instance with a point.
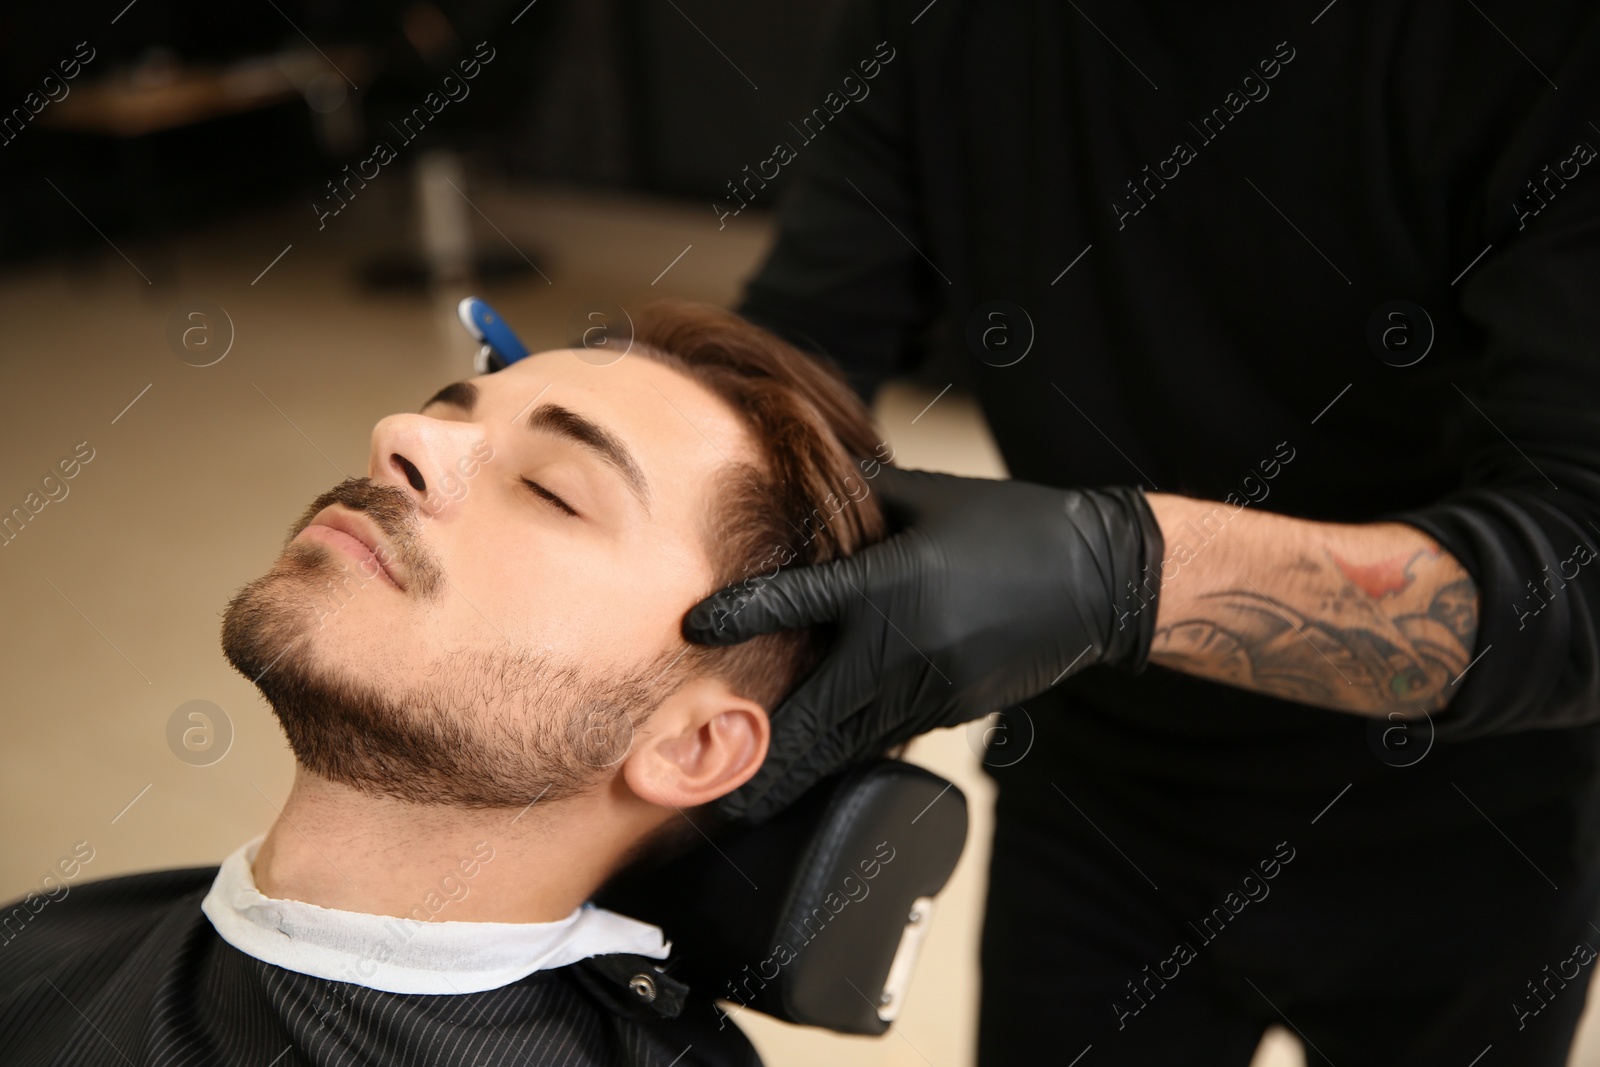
(565, 423)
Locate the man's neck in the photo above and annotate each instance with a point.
(337, 848)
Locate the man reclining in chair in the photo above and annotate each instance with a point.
(475, 653)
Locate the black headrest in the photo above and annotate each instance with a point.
(815, 916)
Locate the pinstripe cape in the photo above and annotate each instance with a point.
(128, 972)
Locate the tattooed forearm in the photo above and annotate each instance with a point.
(1370, 619)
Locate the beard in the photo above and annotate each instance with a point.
(495, 727)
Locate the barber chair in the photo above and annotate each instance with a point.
(815, 916)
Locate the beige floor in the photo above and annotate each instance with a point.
(113, 594)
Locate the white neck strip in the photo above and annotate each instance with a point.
(400, 955)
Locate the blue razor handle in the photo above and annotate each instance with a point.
(501, 348)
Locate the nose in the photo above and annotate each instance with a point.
(432, 459)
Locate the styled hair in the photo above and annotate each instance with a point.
(809, 501)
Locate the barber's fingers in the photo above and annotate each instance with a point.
(828, 753)
(909, 495)
(789, 600)
(804, 596)
(804, 726)
(782, 781)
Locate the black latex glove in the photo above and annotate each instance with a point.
(989, 593)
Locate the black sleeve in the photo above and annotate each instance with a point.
(845, 277)
(1525, 520)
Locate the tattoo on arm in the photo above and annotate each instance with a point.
(1371, 638)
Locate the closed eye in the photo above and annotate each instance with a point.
(541, 491)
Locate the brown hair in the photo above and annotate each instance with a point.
(809, 503)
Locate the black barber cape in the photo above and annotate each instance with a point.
(128, 972)
(1193, 218)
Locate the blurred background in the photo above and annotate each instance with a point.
(213, 283)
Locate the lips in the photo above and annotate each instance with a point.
(339, 526)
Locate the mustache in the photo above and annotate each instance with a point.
(395, 513)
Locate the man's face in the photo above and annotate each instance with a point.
(473, 622)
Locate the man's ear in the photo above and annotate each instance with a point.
(703, 742)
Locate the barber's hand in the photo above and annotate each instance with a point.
(989, 594)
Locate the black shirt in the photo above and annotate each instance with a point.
(1203, 210)
(129, 971)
